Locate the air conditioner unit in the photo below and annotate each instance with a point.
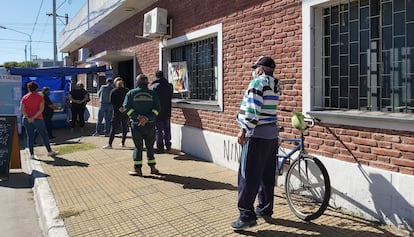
(155, 23)
(84, 53)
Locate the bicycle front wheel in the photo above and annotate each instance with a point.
(308, 187)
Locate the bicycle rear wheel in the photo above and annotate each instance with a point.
(307, 187)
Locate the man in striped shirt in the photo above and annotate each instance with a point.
(258, 137)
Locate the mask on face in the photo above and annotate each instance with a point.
(254, 74)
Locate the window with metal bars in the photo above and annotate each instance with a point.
(367, 56)
(90, 78)
(201, 58)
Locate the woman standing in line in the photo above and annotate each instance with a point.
(32, 105)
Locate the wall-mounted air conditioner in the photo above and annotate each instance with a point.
(84, 53)
(155, 23)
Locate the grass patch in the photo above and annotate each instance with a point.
(67, 214)
(66, 149)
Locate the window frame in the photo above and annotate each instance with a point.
(165, 57)
(311, 62)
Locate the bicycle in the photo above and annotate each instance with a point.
(307, 184)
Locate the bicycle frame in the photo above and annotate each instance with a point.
(283, 157)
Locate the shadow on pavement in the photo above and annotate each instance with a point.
(316, 229)
(18, 180)
(59, 161)
(185, 157)
(193, 182)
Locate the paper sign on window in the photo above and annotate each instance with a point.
(178, 76)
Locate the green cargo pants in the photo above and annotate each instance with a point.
(141, 134)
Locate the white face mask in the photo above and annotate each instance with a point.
(254, 74)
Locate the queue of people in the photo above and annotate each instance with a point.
(146, 109)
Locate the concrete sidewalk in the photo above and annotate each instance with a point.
(89, 193)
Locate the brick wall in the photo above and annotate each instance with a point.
(251, 29)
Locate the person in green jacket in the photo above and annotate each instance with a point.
(142, 105)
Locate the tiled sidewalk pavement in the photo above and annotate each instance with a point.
(96, 197)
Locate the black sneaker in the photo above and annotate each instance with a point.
(159, 151)
(242, 225)
(264, 216)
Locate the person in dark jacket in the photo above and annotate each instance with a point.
(117, 97)
(164, 90)
(142, 105)
(48, 111)
(78, 97)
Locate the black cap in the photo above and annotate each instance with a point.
(264, 61)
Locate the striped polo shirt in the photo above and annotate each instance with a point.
(259, 104)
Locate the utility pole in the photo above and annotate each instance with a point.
(54, 35)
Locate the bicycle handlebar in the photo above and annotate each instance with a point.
(309, 119)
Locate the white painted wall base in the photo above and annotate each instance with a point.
(368, 192)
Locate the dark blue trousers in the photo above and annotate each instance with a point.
(163, 135)
(256, 177)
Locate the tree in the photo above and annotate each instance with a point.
(28, 64)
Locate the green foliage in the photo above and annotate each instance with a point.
(28, 64)
(8, 65)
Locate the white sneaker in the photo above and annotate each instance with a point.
(32, 156)
(52, 153)
(107, 146)
(121, 145)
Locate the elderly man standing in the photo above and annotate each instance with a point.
(142, 106)
(258, 136)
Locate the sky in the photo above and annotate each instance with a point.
(25, 19)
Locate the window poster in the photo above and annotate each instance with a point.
(10, 95)
(178, 76)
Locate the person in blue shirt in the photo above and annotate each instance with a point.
(258, 137)
(105, 108)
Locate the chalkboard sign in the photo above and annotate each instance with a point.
(8, 138)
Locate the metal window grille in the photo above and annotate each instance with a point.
(368, 56)
(201, 58)
(89, 83)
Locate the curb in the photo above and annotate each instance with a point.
(50, 222)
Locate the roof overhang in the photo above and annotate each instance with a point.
(96, 18)
(112, 56)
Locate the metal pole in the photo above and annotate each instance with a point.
(25, 52)
(54, 35)
(30, 47)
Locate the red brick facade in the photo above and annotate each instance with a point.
(251, 29)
